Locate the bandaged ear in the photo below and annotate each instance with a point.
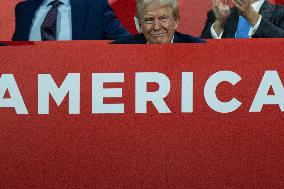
(137, 24)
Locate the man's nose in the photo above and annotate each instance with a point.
(157, 25)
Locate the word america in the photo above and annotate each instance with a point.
(71, 86)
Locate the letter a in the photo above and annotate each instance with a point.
(8, 82)
(270, 79)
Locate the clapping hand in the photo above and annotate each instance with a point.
(243, 6)
(222, 12)
(245, 9)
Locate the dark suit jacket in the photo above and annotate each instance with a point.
(271, 25)
(91, 20)
(140, 39)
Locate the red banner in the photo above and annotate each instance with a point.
(89, 115)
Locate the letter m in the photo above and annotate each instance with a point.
(47, 87)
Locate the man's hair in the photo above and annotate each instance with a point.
(142, 4)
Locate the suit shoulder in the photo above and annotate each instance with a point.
(26, 4)
(99, 2)
(279, 8)
(134, 39)
(210, 13)
(21, 5)
(186, 38)
(277, 11)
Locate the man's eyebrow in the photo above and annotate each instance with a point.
(149, 15)
(147, 18)
(163, 16)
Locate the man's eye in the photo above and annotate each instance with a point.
(163, 18)
(149, 20)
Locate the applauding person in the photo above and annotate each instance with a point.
(246, 19)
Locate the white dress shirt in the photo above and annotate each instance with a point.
(256, 6)
(64, 23)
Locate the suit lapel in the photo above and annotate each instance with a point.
(267, 10)
(33, 5)
(78, 14)
(176, 38)
(232, 24)
(139, 39)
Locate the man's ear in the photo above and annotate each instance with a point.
(177, 23)
(137, 24)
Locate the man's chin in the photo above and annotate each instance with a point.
(159, 40)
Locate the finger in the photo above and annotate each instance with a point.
(214, 2)
(238, 2)
(248, 2)
(241, 1)
(225, 2)
(238, 6)
(220, 2)
(229, 2)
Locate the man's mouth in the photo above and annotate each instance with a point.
(157, 34)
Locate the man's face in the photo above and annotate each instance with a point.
(158, 24)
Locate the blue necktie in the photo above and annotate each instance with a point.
(243, 28)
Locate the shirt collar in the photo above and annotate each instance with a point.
(173, 39)
(257, 5)
(46, 2)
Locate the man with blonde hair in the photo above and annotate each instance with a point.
(158, 21)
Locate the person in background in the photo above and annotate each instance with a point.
(158, 21)
(246, 19)
(38, 20)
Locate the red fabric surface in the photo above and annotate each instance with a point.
(203, 149)
(280, 2)
(17, 43)
(125, 11)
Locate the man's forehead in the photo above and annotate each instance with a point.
(157, 10)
